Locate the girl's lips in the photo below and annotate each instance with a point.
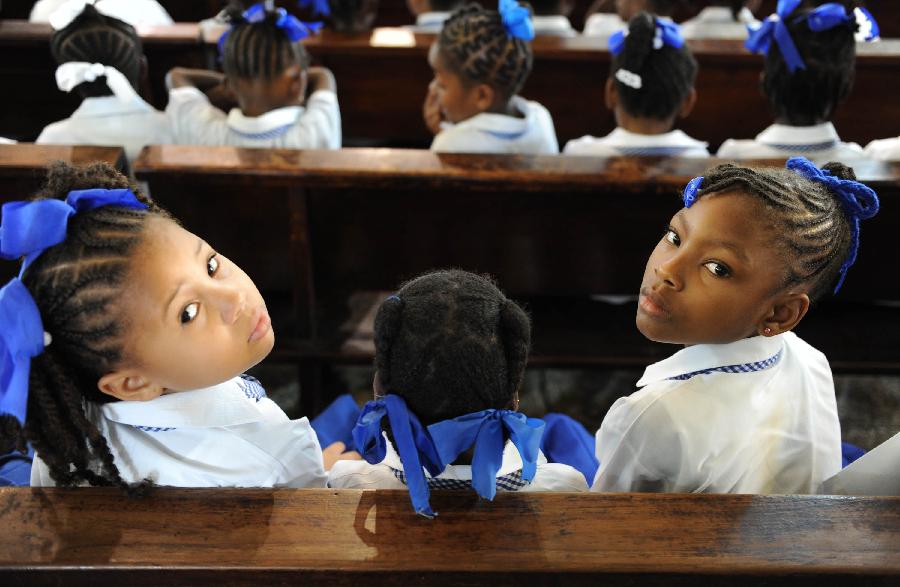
(261, 324)
(652, 305)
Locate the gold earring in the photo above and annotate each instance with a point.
(767, 330)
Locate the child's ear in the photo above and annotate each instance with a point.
(785, 314)
(687, 106)
(610, 94)
(484, 97)
(128, 385)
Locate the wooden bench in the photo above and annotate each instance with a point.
(351, 537)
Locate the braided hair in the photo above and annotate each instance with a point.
(96, 38)
(667, 73)
(76, 285)
(259, 49)
(812, 227)
(450, 343)
(475, 45)
(353, 15)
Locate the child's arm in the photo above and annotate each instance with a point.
(202, 79)
(337, 451)
(321, 78)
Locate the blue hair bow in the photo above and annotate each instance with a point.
(689, 195)
(413, 442)
(294, 28)
(486, 430)
(858, 200)
(26, 231)
(667, 33)
(517, 20)
(321, 7)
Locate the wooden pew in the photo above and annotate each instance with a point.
(348, 537)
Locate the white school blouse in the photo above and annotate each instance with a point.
(754, 416)
(430, 22)
(603, 25)
(553, 25)
(884, 149)
(134, 12)
(620, 142)
(195, 121)
(384, 475)
(228, 435)
(498, 133)
(819, 142)
(717, 22)
(108, 121)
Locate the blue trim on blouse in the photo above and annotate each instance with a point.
(741, 368)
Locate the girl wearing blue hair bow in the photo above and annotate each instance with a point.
(450, 354)
(122, 348)
(747, 406)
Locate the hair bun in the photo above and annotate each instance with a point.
(639, 42)
(840, 171)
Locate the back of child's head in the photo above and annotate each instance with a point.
(477, 46)
(353, 15)
(260, 49)
(652, 77)
(450, 343)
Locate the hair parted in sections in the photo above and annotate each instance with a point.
(77, 285)
(475, 44)
(667, 74)
(450, 343)
(813, 232)
(96, 38)
(259, 50)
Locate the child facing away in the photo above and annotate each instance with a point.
(134, 12)
(267, 70)
(101, 58)
(551, 18)
(480, 61)
(650, 86)
(604, 24)
(724, 19)
(450, 354)
(746, 406)
(124, 340)
(810, 56)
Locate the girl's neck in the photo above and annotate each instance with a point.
(643, 126)
(507, 108)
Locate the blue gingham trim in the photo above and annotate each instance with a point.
(251, 387)
(804, 148)
(652, 151)
(742, 368)
(511, 482)
(153, 428)
(504, 136)
(269, 134)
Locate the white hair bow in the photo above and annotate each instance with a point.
(71, 74)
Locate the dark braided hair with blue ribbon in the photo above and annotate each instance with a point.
(259, 49)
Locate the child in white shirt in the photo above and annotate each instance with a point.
(747, 406)
(603, 25)
(722, 20)
(651, 85)
(481, 60)
(134, 12)
(267, 70)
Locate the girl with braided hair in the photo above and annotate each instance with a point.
(122, 347)
(746, 406)
(480, 60)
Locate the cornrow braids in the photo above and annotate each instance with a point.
(451, 343)
(96, 38)
(259, 49)
(76, 285)
(812, 227)
(475, 45)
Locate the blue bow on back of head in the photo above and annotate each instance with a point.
(293, 27)
(667, 34)
(516, 19)
(320, 7)
(486, 430)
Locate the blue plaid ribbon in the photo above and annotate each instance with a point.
(740, 368)
(511, 482)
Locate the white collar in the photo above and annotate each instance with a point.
(432, 19)
(822, 135)
(708, 356)
(110, 106)
(553, 23)
(272, 123)
(674, 138)
(503, 126)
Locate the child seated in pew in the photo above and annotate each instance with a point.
(651, 85)
(809, 69)
(134, 12)
(450, 354)
(728, 19)
(431, 14)
(746, 406)
(122, 347)
(604, 24)
(267, 70)
(101, 58)
(551, 18)
(480, 61)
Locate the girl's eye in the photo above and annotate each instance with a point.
(212, 265)
(189, 313)
(717, 269)
(672, 237)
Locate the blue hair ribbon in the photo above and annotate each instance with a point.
(26, 231)
(487, 431)
(293, 27)
(858, 200)
(667, 33)
(516, 19)
(414, 445)
(689, 195)
(320, 7)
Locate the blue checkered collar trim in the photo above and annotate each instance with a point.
(743, 356)
(511, 482)
(271, 124)
(800, 138)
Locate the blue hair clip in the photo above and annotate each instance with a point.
(858, 200)
(516, 19)
(320, 7)
(689, 195)
(667, 33)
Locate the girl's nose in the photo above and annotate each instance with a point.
(669, 272)
(230, 301)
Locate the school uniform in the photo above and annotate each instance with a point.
(388, 474)
(487, 132)
(134, 12)
(195, 121)
(603, 25)
(227, 435)
(819, 142)
(430, 22)
(554, 25)
(110, 121)
(717, 22)
(884, 149)
(754, 416)
(621, 142)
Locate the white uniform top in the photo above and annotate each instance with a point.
(108, 121)
(553, 26)
(717, 22)
(134, 12)
(362, 475)
(498, 133)
(884, 149)
(820, 142)
(619, 142)
(430, 22)
(754, 416)
(228, 435)
(603, 25)
(197, 122)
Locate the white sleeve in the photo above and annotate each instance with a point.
(730, 149)
(884, 149)
(319, 127)
(453, 139)
(193, 119)
(294, 445)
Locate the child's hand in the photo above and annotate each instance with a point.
(337, 451)
(431, 110)
(222, 97)
(320, 78)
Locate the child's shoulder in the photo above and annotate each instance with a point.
(362, 475)
(884, 149)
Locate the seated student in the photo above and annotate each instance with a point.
(604, 24)
(134, 12)
(267, 69)
(809, 70)
(884, 149)
(551, 18)
(124, 341)
(480, 61)
(431, 14)
(746, 406)
(450, 354)
(727, 19)
(102, 59)
(651, 85)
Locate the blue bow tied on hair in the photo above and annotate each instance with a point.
(774, 27)
(517, 20)
(858, 200)
(294, 28)
(667, 33)
(413, 441)
(689, 195)
(320, 7)
(21, 339)
(487, 431)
